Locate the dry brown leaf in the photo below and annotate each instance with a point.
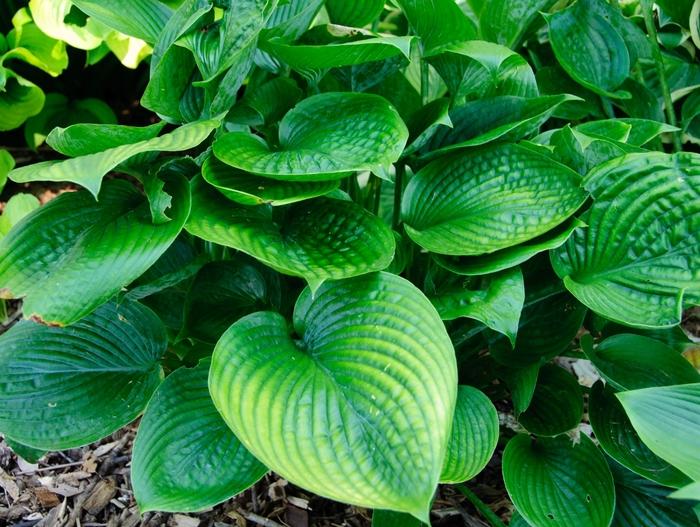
(8, 483)
(100, 496)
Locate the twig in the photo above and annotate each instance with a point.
(265, 522)
(484, 509)
(48, 469)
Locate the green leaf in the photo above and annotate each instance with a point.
(473, 438)
(83, 139)
(29, 454)
(355, 14)
(630, 362)
(223, 292)
(16, 208)
(144, 19)
(667, 419)
(52, 18)
(641, 250)
(367, 394)
(290, 20)
(66, 387)
(7, 163)
(496, 300)
(522, 383)
(428, 21)
(510, 256)
(249, 189)
(554, 482)
(104, 246)
(270, 100)
(424, 123)
(90, 167)
(689, 492)
(185, 457)
(320, 239)
(640, 502)
(590, 48)
(384, 518)
(638, 132)
(19, 100)
(481, 201)
(28, 43)
(617, 438)
(557, 403)
(322, 138)
(506, 21)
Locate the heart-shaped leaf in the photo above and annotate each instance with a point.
(185, 457)
(105, 245)
(617, 438)
(321, 138)
(66, 387)
(320, 239)
(480, 201)
(557, 403)
(554, 482)
(249, 189)
(656, 411)
(358, 406)
(641, 249)
(474, 436)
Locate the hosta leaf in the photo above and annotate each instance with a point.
(291, 19)
(16, 208)
(185, 457)
(82, 139)
(640, 502)
(506, 21)
(554, 482)
(222, 292)
(497, 301)
(557, 403)
(105, 245)
(510, 256)
(641, 249)
(7, 163)
(637, 132)
(19, 100)
(29, 454)
(474, 436)
(480, 201)
(485, 120)
(630, 362)
(50, 16)
(358, 406)
(522, 383)
(427, 19)
(66, 387)
(618, 439)
(590, 48)
(322, 138)
(320, 239)
(355, 14)
(270, 100)
(249, 189)
(27, 42)
(88, 169)
(424, 123)
(667, 419)
(144, 19)
(689, 492)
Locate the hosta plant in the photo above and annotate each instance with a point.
(355, 229)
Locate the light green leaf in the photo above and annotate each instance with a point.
(144, 19)
(618, 439)
(506, 21)
(320, 239)
(630, 362)
(7, 163)
(105, 245)
(66, 387)
(667, 419)
(28, 43)
(641, 250)
(639, 131)
(554, 482)
(354, 14)
(473, 438)
(590, 48)
(16, 208)
(322, 138)
(19, 100)
(185, 457)
(481, 201)
(89, 168)
(557, 403)
(50, 16)
(249, 189)
(496, 300)
(428, 21)
(381, 375)
(689, 492)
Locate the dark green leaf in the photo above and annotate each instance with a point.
(428, 21)
(354, 14)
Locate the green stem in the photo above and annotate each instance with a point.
(398, 191)
(3, 311)
(487, 513)
(377, 196)
(424, 82)
(661, 72)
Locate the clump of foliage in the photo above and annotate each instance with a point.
(355, 227)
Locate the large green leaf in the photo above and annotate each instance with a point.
(354, 14)
(429, 21)
(557, 403)
(144, 19)
(357, 406)
(617, 438)
(185, 457)
(496, 300)
(320, 239)
(667, 419)
(630, 362)
(19, 100)
(90, 167)
(554, 482)
(480, 201)
(590, 48)
(104, 245)
(641, 249)
(52, 18)
(322, 138)
(249, 189)
(506, 21)
(66, 387)
(474, 436)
